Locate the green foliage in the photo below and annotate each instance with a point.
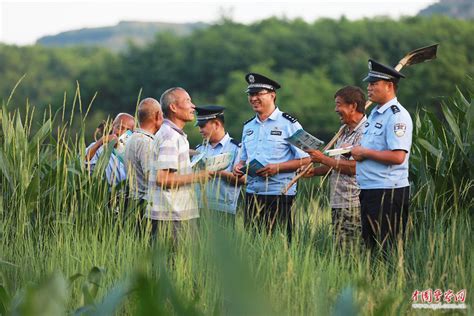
(67, 222)
(442, 157)
(311, 60)
(48, 298)
(57, 219)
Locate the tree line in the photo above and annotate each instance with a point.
(310, 60)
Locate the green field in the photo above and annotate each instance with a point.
(65, 248)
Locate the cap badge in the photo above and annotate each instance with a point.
(370, 65)
(251, 79)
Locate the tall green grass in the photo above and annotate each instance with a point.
(64, 248)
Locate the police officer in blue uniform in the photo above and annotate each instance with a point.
(382, 160)
(263, 140)
(223, 191)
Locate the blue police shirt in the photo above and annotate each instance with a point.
(389, 127)
(265, 141)
(220, 194)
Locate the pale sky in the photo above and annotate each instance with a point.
(23, 22)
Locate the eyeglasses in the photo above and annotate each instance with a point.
(258, 94)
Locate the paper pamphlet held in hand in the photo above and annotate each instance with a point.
(338, 151)
(213, 163)
(197, 159)
(218, 162)
(119, 149)
(251, 168)
(304, 140)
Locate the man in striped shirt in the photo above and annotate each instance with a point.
(171, 197)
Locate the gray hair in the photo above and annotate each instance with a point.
(167, 98)
(124, 118)
(147, 109)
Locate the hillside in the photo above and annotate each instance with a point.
(116, 37)
(460, 9)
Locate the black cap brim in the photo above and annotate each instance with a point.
(375, 79)
(372, 79)
(257, 89)
(200, 123)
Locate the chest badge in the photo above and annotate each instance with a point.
(378, 125)
(399, 129)
(249, 132)
(276, 131)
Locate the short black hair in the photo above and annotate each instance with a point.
(352, 94)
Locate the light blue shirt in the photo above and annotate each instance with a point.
(115, 171)
(389, 127)
(265, 141)
(220, 194)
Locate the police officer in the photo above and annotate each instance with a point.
(223, 191)
(382, 160)
(263, 140)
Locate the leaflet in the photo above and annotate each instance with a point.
(119, 149)
(196, 159)
(338, 151)
(304, 140)
(213, 163)
(252, 167)
(218, 162)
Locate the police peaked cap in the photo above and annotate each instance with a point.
(208, 112)
(377, 72)
(259, 82)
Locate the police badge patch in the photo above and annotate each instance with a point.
(400, 129)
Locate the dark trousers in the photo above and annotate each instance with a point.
(384, 215)
(269, 211)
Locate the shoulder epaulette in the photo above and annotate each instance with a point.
(395, 109)
(248, 121)
(236, 143)
(198, 146)
(289, 117)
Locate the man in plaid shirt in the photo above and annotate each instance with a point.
(350, 106)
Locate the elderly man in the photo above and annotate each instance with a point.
(171, 196)
(263, 141)
(382, 160)
(222, 192)
(139, 147)
(350, 106)
(115, 171)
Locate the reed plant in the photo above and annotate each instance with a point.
(68, 245)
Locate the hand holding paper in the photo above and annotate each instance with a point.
(251, 168)
(338, 151)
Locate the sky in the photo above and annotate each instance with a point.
(23, 22)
